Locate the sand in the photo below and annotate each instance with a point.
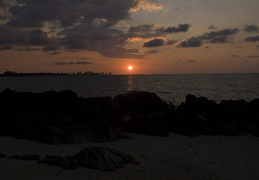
(175, 157)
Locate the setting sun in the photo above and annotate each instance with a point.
(130, 67)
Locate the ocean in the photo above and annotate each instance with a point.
(173, 88)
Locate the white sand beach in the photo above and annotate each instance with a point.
(175, 157)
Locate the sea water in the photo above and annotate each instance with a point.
(173, 88)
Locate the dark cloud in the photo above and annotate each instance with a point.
(252, 39)
(191, 61)
(37, 39)
(253, 56)
(179, 28)
(6, 48)
(55, 53)
(70, 24)
(34, 12)
(133, 50)
(212, 27)
(192, 42)
(72, 63)
(251, 28)
(220, 36)
(152, 51)
(27, 49)
(50, 48)
(234, 56)
(159, 42)
(145, 28)
(221, 39)
(170, 42)
(154, 43)
(119, 52)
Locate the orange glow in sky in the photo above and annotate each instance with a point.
(142, 37)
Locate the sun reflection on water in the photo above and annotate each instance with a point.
(130, 83)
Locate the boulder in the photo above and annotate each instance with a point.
(101, 158)
(140, 101)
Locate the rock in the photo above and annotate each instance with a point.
(2, 155)
(101, 158)
(197, 104)
(152, 124)
(26, 157)
(67, 163)
(63, 118)
(140, 101)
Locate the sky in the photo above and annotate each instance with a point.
(152, 36)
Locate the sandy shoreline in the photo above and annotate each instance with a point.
(174, 157)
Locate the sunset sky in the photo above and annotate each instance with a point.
(153, 36)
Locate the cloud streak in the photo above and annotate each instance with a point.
(72, 63)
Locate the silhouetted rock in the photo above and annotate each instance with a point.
(140, 101)
(26, 157)
(62, 117)
(2, 155)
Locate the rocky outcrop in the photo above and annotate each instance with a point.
(139, 101)
(101, 158)
(62, 117)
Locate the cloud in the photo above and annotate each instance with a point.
(192, 42)
(147, 6)
(50, 47)
(27, 49)
(72, 63)
(55, 53)
(159, 42)
(253, 56)
(6, 48)
(119, 52)
(154, 43)
(152, 51)
(251, 28)
(145, 28)
(252, 39)
(179, 28)
(221, 39)
(234, 56)
(212, 27)
(133, 50)
(220, 36)
(32, 13)
(69, 24)
(191, 61)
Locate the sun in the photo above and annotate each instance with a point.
(130, 68)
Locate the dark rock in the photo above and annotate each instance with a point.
(2, 155)
(152, 124)
(197, 105)
(67, 163)
(61, 117)
(26, 157)
(101, 158)
(140, 101)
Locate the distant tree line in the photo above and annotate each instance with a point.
(79, 73)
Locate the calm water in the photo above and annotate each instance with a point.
(172, 88)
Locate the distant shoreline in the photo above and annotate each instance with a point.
(14, 74)
(103, 73)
